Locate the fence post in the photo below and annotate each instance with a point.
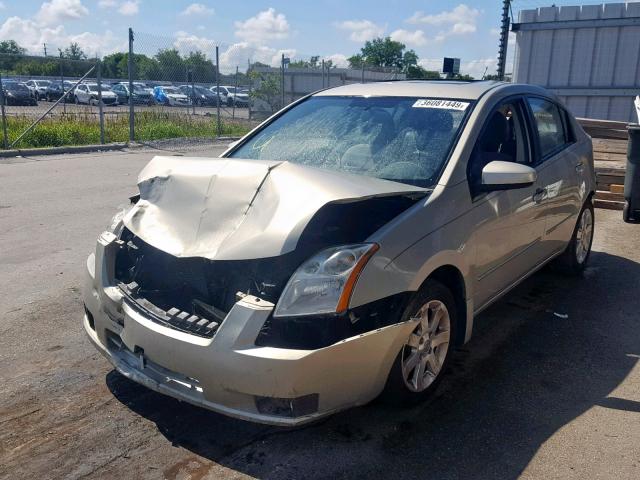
(362, 80)
(250, 84)
(5, 136)
(328, 76)
(322, 73)
(233, 112)
(193, 90)
(130, 75)
(64, 97)
(218, 126)
(282, 79)
(100, 109)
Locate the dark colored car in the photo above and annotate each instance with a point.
(199, 96)
(141, 95)
(17, 93)
(55, 90)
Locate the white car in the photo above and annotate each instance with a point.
(38, 88)
(171, 96)
(230, 95)
(88, 93)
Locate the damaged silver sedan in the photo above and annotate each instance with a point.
(341, 249)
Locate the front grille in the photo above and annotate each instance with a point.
(173, 318)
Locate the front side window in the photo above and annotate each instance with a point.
(502, 138)
(395, 138)
(548, 122)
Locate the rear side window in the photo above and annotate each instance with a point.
(550, 126)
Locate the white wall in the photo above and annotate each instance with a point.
(593, 68)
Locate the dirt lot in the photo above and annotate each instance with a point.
(533, 395)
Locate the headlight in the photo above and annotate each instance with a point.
(324, 283)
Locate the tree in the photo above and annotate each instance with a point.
(171, 65)
(416, 72)
(11, 47)
(267, 89)
(384, 52)
(201, 67)
(73, 52)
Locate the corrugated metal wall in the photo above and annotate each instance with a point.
(591, 63)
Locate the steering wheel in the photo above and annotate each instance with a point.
(404, 171)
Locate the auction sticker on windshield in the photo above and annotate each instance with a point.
(440, 103)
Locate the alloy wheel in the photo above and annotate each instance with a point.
(584, 235)
(424, 354)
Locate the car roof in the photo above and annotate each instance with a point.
(415, 88)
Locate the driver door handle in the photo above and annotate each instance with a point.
(539, 195)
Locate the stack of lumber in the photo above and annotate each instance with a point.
(610, 158)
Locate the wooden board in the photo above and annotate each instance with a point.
(607, 195)
(608, 204)
(603, 145)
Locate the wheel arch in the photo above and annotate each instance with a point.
(451, 277)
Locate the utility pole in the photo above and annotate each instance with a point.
(130, 75)
(45, 49)
(504, 38)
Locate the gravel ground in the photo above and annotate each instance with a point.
(533, 395)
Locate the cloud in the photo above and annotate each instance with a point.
(476, 68)
(412, 39)
(361, 30)
(240, 53)
(58, 11)
(266, 25)
(186, 42)
(461, 19)
(494, 32)
(2, 6)
(107, 3)
(197, 9)
(338, 59)
(129, 8)
(32, 34)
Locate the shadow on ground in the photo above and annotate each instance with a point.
(526, 373)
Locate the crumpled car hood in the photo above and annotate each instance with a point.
(234, 209)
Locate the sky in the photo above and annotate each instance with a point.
(261, 31)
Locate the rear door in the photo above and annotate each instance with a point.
(558, 172)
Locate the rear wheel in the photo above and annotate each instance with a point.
(574, 259)
(425, 355)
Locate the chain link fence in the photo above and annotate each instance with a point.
(166, 92)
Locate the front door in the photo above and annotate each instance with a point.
(509, 224)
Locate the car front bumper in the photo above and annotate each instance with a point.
(228, 373)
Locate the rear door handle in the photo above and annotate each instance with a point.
(579, 167)
(539, 195)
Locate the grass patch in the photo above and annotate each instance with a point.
(84, 129)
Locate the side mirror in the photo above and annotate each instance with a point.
(499, 175)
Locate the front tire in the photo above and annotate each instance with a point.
(574, 259)
(425, 356)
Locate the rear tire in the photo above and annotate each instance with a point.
(425, 356)
(574, 259)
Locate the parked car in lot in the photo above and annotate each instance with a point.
(55, 90)
(88, 93)
(38, 88)
(199, 96)
(171, 96)
(342, 249)
(17, 93)
(141, 95)
(229, 96)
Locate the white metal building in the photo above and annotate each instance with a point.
(588, 55)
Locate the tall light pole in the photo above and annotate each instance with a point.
(504, 38)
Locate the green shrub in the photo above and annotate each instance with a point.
(84, 129)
